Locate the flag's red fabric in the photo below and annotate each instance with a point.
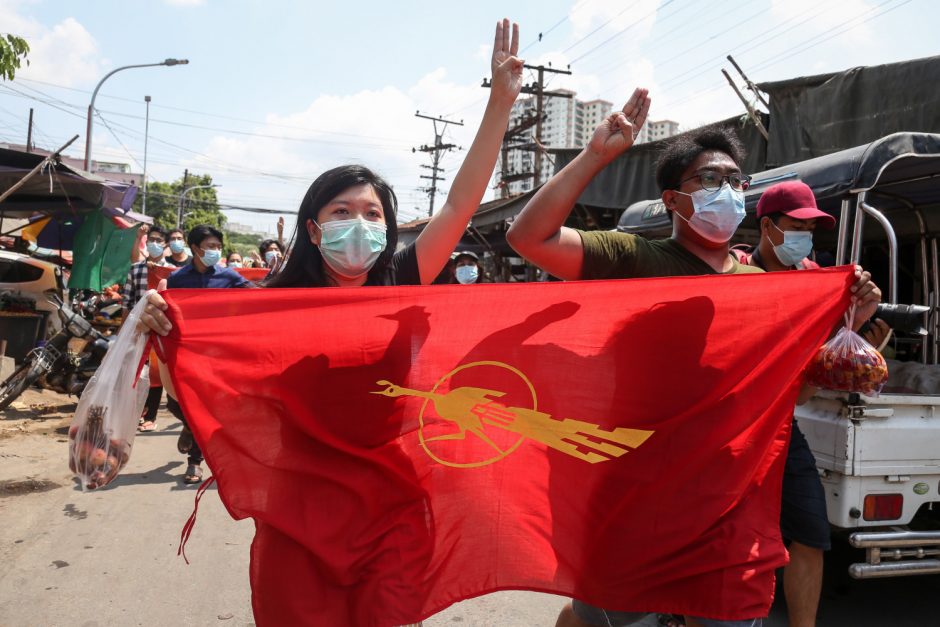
(401, 449)
(158, 273)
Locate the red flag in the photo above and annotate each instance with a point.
(158, 273)
(404, 448)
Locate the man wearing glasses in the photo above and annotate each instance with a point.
(702, 187)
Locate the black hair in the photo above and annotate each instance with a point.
(198, 233)
(304, 267)
(156, 230)
(234, 252)
(170, 233)
(680, 151)
(265, 244)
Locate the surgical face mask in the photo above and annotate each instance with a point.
(270, 257)
(211, 257)
(154, 249)
(176, 246)
(351, 247)
(796, 246)
(717, 214)
(467, 274)
(235, 264)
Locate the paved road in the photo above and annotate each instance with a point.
(109, 557)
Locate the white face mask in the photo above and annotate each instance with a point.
(351, 247)
(796, 246)
(271, 257)
(467, 274)
(717, 214)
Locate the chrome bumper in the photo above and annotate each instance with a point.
(896, 553)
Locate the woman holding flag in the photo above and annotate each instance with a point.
(346, 236)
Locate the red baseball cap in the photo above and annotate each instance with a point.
(794, 199)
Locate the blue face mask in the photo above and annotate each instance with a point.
(211, 257)
(717, 214)
(467, 274)
(351, 247)
(154, 249)
(176, 246)
(796, 246)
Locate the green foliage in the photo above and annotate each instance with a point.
(201, 206)
(13, 51)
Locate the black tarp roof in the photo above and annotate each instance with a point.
(58, 189)
(813, 116)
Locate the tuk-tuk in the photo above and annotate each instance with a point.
(878, 457)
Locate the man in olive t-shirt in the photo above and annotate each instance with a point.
(703, 189)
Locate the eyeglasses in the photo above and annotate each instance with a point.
(712, 181)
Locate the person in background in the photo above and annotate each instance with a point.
(134, 289)
(787, 215)
(271, 254)
(234, 260)
(202, 271)
(467, 268)
(177, 241)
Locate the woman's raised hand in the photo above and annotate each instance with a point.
(618, 132)
(506, 67)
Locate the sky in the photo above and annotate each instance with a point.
(277, 92)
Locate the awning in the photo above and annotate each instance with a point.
(58, 189)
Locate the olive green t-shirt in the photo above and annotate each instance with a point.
(613, 255)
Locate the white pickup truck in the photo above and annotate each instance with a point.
(879, 458)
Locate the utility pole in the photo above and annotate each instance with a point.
(179, 212)
(29, 132)
(751, 110)
(146, 136)
(438, 149)
(538, 90)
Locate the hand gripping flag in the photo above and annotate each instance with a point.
(404, 448)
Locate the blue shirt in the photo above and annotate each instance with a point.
(189, 277)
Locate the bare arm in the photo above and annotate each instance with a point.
(439, 238)
(538, 233)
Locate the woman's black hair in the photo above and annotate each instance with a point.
(266, 244)
(680, 151)
(304, 267)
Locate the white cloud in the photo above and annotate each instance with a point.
(376, 128)
(66, 53)
(830, 18)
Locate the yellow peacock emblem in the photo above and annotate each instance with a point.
(474, 411)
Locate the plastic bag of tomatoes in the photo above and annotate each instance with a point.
(848, 363)
(105, 421)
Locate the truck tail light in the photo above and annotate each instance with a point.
(883, 506)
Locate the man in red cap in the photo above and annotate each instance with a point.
(788, 215)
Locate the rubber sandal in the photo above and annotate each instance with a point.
(193, 474)
(147, 426)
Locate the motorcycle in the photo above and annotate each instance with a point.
(53, 365)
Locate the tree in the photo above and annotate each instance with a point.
(201, 206)
(13, 51)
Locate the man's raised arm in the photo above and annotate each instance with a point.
(538, 233)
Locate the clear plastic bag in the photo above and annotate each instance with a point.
(104, 425)
(848, 363)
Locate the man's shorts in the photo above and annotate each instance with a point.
(609, 618)
(803, 516)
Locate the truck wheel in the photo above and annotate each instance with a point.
(14, 385)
